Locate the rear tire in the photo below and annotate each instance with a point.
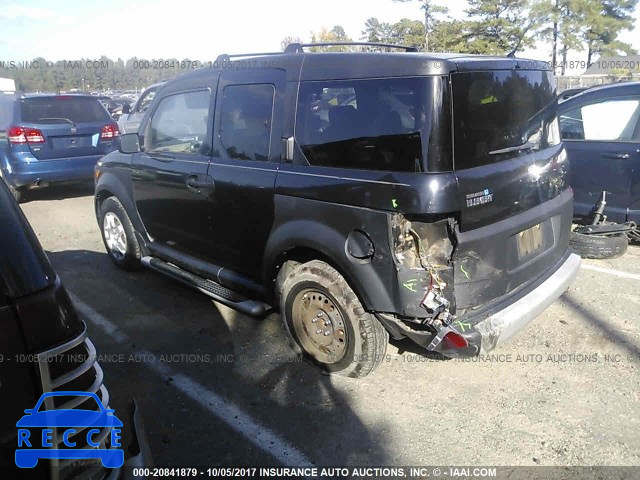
(119, 235)
(325, 319)
(599, 247)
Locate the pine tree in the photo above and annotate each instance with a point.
(431, 10)
(499, 27)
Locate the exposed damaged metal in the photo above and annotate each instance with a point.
(425, 250)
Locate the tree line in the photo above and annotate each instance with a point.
(503, 27)
(101, 74)
(494, 27)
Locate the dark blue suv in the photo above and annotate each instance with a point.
(46, 138)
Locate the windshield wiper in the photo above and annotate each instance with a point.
(524, 146)
(56, 119)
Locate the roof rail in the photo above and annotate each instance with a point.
(227, 58)
(298, 47)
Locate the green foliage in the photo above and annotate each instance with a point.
(498, 27)
(604, 20)
(591, 25)
(336, 34)
(431, 12)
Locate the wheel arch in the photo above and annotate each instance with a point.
(304, 240)
(109, 185)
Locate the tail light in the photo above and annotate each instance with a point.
(24, 135)
(109, 132)
(453, 341)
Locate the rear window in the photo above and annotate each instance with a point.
(498, 115)
(395, 124)
(63, 109)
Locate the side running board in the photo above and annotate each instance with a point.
(208, 287)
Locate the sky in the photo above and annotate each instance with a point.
(66, 30)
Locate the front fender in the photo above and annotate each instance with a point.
(116, 181)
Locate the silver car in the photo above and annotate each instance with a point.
(129, 122)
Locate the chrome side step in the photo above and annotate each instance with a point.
(208, 287)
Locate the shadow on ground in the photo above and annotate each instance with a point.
(244, 360)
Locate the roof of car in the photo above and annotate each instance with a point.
(51, 94)
(621, 88)
(353, 65)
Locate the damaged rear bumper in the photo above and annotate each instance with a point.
(503, 325)
(487, 332)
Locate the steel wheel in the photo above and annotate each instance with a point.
(319, 326)
(114, 235)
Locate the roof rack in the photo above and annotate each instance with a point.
(298, 47)
(226, 57)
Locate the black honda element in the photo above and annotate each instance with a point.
(363, 195)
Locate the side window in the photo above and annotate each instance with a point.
(245, 123)
(611, 120)
(145, 100)
(371, 124)
(179, 123)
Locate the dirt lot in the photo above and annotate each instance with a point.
(217, 388)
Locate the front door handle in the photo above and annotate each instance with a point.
(202, 185)
(617, 155)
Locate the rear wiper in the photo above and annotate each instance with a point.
(56, 119)
(524, 146)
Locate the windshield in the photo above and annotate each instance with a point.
(63, 109)
(502, 114)
(395, 124)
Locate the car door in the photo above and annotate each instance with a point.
(247, 146)
(601, 139)
(172, 190)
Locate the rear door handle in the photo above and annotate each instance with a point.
(617, 155)
(203, 185)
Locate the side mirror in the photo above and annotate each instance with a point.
(126, 108)
(129, 143)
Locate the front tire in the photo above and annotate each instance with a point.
(325, 319)
(119, 235)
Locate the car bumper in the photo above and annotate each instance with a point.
(44, 171)
(486, 331)
(496, 329)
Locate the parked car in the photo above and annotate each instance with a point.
(45, 348)
(451, 229)
(115, 106)
(601, 133)
(130, 119)
(52, 138)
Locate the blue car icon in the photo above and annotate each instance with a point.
(70, 426)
